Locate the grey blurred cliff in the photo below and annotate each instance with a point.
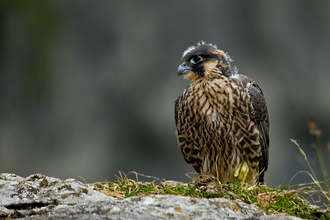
(87, 88)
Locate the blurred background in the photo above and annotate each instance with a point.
(87, 88)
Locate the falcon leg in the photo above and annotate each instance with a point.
(241, 172)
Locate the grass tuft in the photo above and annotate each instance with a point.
(316, 186)
(271, 200)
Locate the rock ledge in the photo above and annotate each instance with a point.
(40, 197)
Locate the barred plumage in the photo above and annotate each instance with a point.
(221, 118)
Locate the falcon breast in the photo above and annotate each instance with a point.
(221, 118)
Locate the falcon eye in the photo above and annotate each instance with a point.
(196, 59)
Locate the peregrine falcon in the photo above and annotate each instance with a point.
(222, 124)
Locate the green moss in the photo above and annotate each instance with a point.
(271, 200)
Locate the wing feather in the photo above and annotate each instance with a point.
(259, 115)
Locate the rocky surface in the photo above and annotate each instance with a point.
(41, 197)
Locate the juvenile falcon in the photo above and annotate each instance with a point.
(221, 118)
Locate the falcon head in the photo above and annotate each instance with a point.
(204, 61)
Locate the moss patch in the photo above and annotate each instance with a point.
(270, 200)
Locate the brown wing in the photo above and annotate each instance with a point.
(259, 115)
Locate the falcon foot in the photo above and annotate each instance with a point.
(241, 172)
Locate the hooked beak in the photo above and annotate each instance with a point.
(183, 68)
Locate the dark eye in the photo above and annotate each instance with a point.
(196, 59)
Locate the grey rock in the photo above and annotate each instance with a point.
(41, 197)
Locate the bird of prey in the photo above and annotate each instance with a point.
(221, 118)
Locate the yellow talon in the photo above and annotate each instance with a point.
(237, 170)
(241, 172)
